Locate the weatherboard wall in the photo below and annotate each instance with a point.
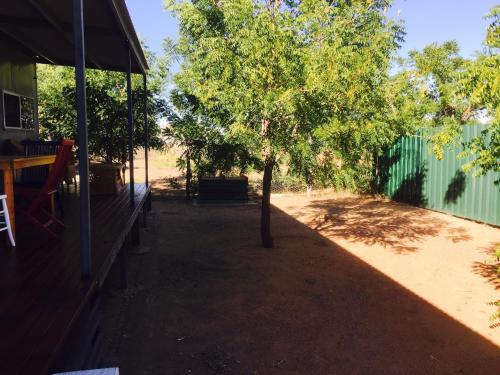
(17, 75)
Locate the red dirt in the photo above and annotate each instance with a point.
(207, 299)
(446, 260)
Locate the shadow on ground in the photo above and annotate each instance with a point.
(373, 222)
(489, 268)
(207, 299)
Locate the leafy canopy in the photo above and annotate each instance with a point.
(199, 133)
(442, 91)
(481, 86)
(106, 107)
(304, 79)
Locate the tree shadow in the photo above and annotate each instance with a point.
(306, 306)
(382, 167)
(393, 225)
(489, 268)
(456, 187)
(457, 234)
(411, 189)
(169, 188)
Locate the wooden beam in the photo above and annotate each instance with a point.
(43, 24)
(128, 37)
(32, 51)
(44, 14)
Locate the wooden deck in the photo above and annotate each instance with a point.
(42, 296)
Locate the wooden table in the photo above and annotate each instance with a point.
(8, 164)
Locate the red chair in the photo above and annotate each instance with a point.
(34, 212)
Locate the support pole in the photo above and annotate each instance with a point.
(146, 129)
(83, 153)
(130, 128)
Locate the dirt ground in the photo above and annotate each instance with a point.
(354, 286)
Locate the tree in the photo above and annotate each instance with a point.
(289, 74)
(481, 86)
(186, 130)
(201, 135)
(435, 71)
(442, 91)
(107, 107)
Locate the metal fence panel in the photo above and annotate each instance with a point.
(414, 175)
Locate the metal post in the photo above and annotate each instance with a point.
(146, 129)
(130, 128)
(83, 153)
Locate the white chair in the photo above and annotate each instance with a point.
(5, 220)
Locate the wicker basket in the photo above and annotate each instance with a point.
(105, 178)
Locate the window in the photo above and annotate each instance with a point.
(27, 113)
(12, 111)
(19, 111)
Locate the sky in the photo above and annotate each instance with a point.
(152, 22)
(426, 21)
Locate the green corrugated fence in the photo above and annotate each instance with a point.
(411, 173)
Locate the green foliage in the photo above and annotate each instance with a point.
(442, 91)
(495, 318)
(436, 72)
(106, 108)
(200, 133)
(305, 79)
(287, 183)
(481, 85)
(328, 169)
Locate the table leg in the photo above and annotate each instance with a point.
(8, 188)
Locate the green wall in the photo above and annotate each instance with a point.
(411, 173)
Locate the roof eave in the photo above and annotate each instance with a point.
(122, 16)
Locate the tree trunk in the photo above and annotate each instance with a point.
(265, 219)
(188, 177)
(374, 181)
(309, 190)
